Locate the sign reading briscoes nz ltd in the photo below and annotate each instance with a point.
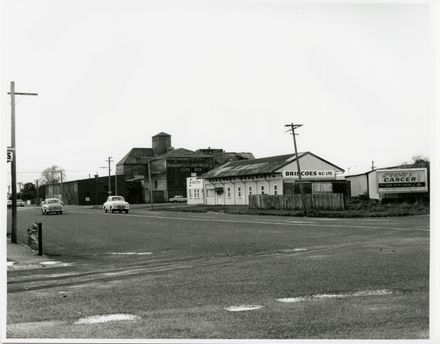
(403, 180)
(310, 174)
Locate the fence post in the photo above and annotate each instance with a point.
(40, 239)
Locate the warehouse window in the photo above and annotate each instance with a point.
(239, 191)
(250, 190)
(262, 189)
(155, 184)
(229, 192)
(275, 189)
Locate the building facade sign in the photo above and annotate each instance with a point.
(195, 190)
(402, 180)
(310, 174)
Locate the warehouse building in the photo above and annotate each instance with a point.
(89, 191)
(234, 182)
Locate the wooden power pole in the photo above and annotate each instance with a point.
(301, 189)
(14, 162)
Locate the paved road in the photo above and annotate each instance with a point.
(181, 275)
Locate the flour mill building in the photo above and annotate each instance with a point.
(161, 170)
(234, 182)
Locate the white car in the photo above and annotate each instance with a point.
(177, 199)
(116, 203)
(52, 205)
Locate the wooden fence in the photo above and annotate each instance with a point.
(328, 201)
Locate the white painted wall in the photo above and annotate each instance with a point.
(358, 184)
(309, 162)
(239, 190)
(195, 190)
(372, 184)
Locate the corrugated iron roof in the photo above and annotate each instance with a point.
(251, 167)
(181, 153)
(258, 166)
(137, 156)
(162, 134)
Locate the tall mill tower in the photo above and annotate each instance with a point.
(161, 143)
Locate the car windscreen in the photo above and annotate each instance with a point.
(117, 198)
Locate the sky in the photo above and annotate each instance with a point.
(222, 74)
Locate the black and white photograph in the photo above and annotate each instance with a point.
(207, 170)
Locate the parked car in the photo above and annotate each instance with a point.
(177, 198)
(52, 205)
(20, 203)
(116, 203)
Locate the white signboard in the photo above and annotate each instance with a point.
(310, 174)
(402, 180)
(194, 182)
(10, 155)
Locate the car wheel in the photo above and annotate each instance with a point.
(42, 212)
(61, 212)
(113, 211)
(126, 211)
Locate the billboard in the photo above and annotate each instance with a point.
(402, 180)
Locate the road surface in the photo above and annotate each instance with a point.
(153, 274)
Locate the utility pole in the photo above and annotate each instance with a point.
(62, 188)
(14, 162)
(116, 182)
(109, 160)
(151, 184)
(301, 190)
(38, 195)
(372, 165)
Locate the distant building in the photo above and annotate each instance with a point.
(233, 182)
(89, 191)
(170, 170)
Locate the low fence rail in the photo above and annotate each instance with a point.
(327, 201)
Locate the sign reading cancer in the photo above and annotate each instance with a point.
(311, 174)
(403, 180)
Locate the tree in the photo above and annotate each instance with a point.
(420, 161)
(53, 175)
(28, 192)
(417, 160)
